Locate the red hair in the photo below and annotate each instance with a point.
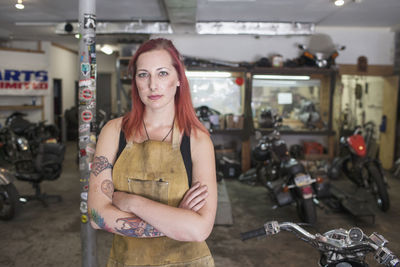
(132, 122)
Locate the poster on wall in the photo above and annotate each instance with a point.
(23, 81)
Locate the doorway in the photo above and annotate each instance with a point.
(103, 95)
(57, 100)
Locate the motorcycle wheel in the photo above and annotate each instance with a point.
(306, 210)
(262, 175)
(9, 202)
(378, 188)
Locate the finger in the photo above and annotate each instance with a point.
(199, 205)
(193, 188)
(197, 192)
(198, 199)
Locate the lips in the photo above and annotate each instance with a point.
(155, 97)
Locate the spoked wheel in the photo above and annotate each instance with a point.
(9, 201)
(306, 210)
(378, 187)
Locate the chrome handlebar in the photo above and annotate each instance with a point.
(344, 242)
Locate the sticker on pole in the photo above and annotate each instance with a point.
(89, 21)
(87, 116)
(85, 68)
(85, 94)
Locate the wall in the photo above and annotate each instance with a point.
(375, 43)
(60, 63)
(14, 59)
(64, 66)
(107, 64)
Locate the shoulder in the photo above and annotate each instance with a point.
(110, 132)
(200, 140)
(112, 126)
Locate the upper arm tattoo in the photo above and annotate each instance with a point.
(100, 163)
(107, 187)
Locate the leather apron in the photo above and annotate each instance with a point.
(155, 170)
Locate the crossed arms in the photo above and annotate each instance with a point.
(132, 215)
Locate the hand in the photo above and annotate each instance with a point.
(194, 198)
(120, 200)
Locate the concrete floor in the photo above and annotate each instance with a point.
(50, 236)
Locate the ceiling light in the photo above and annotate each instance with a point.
(281, 77)
(106, 49)
(19, 5)
(208, 74)
(339, 2)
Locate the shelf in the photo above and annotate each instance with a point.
(292, 71)
(21, 107)
(297, 132)
(227, 131)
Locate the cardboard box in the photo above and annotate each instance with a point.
(234, 121)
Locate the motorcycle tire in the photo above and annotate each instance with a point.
(378, 188)
(262, 174)
(9, 202)
(307, 211)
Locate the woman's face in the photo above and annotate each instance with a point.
(156, 79)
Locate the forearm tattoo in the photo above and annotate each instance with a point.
(136, 227)
(100, 163)
(95, 216)
(132, 226)
(107, 188)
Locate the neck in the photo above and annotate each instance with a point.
(159, 118)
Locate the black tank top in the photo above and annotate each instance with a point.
(185, 152)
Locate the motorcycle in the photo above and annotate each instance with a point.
(320, 52)
(361, 169)
(338, 247)
(285, 177)
(20, 139)
(9, 197)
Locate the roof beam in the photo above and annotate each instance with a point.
(182, 15)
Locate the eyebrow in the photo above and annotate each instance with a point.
(156, 69)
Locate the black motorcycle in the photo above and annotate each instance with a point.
(361, 169)
(20, 138)
(338, 247)
(285, 177)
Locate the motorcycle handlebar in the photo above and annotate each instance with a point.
(382, 254)
(252, 234)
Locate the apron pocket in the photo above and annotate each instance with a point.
(154, 190)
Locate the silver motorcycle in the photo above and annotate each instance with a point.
(338, 247)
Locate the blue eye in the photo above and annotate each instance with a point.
(142, 75)
(163, 73)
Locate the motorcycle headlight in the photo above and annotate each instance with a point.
(22, 143)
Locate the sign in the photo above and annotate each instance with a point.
(14, 81)
(87, 116)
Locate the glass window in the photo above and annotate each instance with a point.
(297, 99)
(221, 91)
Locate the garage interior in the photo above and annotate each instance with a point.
(265, 76)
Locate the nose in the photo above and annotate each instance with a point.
(152, 83)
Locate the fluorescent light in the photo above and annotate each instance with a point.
(339, 2)
(106, 49)
(19, 6)
(208, 74)
(281, 77)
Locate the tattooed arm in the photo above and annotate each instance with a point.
(106, 216)
(102, 213)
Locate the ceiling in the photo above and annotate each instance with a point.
(40, 18)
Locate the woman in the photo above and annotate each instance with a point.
(144, 166)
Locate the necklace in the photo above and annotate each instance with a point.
(148, 137)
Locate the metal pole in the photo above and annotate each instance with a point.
(87, 121)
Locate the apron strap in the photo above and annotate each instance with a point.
(175, 136)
